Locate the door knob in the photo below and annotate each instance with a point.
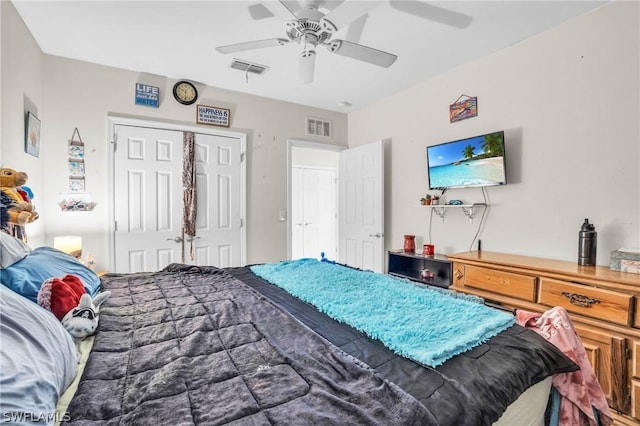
(377, 235)
(189, 238)
(177, 239)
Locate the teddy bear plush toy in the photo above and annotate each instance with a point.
(68, 300)
(21, 210)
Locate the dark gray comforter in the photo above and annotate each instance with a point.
(194, 345)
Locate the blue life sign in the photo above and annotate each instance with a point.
(147, 95)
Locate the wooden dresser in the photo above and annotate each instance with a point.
(604, 306)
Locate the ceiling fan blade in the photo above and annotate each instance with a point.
(259, 11)
(280, 10)
(433, 13)
(362, 53)
(345, 13)
(250, 45)
(306, 66)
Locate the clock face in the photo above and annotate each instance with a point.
(185, 92)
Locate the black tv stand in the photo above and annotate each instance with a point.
(410, 265)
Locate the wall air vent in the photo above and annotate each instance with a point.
(318, 127)
(246, 66)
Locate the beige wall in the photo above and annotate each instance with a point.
(568, 100)
(70, 94)
(22, 91)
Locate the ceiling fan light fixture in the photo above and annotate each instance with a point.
(307, 53)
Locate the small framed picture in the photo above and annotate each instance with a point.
(32, 135)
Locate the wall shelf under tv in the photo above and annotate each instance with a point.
(469, 210)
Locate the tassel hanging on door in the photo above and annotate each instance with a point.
(190, 205)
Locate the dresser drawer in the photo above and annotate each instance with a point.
(599, 303)
(505, 283)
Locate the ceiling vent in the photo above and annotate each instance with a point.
(246, 66)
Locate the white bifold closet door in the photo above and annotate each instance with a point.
(148, 200)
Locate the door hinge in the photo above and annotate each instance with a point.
(627, 353)
(242, 154)
(115, 225)
(241, 222)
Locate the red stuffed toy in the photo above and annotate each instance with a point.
(67, 299)
(61, 295)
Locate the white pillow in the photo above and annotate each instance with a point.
(38, 360)
(11, 250)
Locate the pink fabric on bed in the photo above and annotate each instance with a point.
(580, 389)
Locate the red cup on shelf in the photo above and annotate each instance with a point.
(409, 243)
(429, 250)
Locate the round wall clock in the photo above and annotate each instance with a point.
(185, 92)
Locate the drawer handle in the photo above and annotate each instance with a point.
(580, 300)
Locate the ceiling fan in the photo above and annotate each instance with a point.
(310, 28)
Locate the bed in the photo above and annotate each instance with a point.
(203, 345)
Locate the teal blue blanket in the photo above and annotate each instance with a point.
(425, 325)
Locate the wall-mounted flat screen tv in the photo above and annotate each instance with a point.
(475, 161)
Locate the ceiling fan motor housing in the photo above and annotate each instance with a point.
(307, 31)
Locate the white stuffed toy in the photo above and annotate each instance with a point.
(68, 300)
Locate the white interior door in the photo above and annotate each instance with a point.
(148, 201)
(314, 221)
(219, 219)
(148, 198)
(361, 206)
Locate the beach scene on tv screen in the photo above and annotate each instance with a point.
(469, 162)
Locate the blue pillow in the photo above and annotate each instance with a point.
(37, 361)
(26, 276)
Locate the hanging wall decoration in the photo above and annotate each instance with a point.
(77, 200)
(76, 162)
(464, 107)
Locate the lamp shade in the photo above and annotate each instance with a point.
(69, 244)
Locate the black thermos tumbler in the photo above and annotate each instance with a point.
(587, 244)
